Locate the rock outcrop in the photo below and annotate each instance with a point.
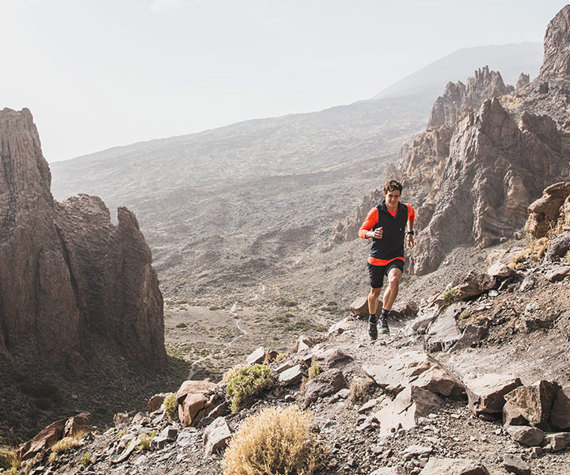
(73, 286)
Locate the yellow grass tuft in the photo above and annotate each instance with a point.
(63, 445)
(274, 441)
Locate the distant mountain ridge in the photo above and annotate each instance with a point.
(510, 60)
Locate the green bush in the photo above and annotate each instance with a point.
(248, 382)
(170, 406)
(449, 297)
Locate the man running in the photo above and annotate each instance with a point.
(386, 226)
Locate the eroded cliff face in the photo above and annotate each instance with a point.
(72, 284)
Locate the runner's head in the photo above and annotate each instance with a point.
(393, 185)
(392, 192)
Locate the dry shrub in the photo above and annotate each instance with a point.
(534, 251)
(8, 458)
(360, 389)
(63, 445)
(274, 441)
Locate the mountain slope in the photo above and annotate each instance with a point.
(511, 60)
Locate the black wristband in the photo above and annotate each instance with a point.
(411, 232)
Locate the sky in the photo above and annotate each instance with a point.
(102, 73)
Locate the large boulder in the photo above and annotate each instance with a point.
(406, 409)
(455, 466)
(532, 404)
(327, 383)
(486, 393)
(413, 368)
(195, 400)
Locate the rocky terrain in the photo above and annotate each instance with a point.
(78, 295)
(239, 219)
(473, 379)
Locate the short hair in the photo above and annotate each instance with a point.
(393, 185)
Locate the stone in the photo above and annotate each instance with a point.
(42, 441)
(533, 403)
(558, 274)
(528, 283)
(327, 383)
(560, 411)
(413, 367)
(167, 436)
(336, 357)
(195, 400)
(516, 465)
(486, 393)
(422, 322)
(472, 334)
(77, 426)
(417, 450)
(500, 270)
(216, 436)
(556, 441)
(405, 410)
(66, 269)
(473, 285)
(443, 332)
(155, 402)
(388, 471)
(530, 436)
(558, 246)
(340, 327)
(305, 343)
(455, 466)
(292, 375)
(359, 307)
(257, 356)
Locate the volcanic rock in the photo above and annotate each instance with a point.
(486, 393)
(72, 284)
(545, 212)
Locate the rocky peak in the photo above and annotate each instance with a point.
(556, 63)
(458, 99)
(523, 80)
(74, 288)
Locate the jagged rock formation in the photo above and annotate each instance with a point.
(73, 286)
(459, 99)
(487, 153)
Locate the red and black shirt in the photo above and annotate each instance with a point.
(393, 223)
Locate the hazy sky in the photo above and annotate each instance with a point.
(100, 73)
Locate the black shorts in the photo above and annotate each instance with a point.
(377, 273)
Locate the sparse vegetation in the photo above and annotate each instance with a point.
(170, 406)
(86, 459)
(248, 382)
(181, 325)
(145, 440)
(450, 296)
(314, 369)
(276, 441)
(534, 251)
(62, 446)
(8, 458)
